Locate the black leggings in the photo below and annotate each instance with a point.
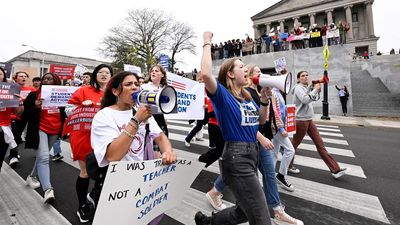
(343, 101)
(3, 148)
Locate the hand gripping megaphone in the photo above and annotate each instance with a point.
(322, 80)
(282, 82)
(165, 99)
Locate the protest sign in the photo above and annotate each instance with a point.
(63, 72)
(135, 192)
(55, 95)
(80, 120)
(133, 69)
(7, 94)
(280, 64)
(291, 119)
(190, 98)
(332, 33)
(284, 35)
(316, 34)
(79, 71)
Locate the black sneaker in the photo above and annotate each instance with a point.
(202, 219)
(85, 213)
(57, 157)
(282, 181)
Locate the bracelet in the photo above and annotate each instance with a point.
(134, 119)
(128, 134)
(133, 124)
(207, 44)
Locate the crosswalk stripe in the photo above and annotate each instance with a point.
(351, 201)
(328, 126)
(328, 129)
(330, 140)
(331, 150)
(330, 134)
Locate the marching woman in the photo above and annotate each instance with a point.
(86, 96)
(7, 140)
(121, 132)
(157, 81)
(238, 118)
(44, 127)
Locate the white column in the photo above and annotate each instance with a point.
(282, 26)
(312, 19)
(329, 16)
(268, 28)
(349, 21)
(296, 21)
(256, 31)
(370, 19)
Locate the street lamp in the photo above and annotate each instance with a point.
(42, 64)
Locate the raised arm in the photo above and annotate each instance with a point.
(206, 64)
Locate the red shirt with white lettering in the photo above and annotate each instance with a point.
(80, 140)
(25, 90)
(50, 119)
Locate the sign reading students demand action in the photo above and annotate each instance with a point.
(7, 94)
(136, 192)
(56, 96)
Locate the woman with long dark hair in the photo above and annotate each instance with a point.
(44, 127)
(86, 96)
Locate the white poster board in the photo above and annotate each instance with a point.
(133, 69)
(80, 70)
(280, 64)
(135, 192)
(56, 95)
(190, 95)
(332, 34)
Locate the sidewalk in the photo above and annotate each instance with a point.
(386, 122)
(20, 205)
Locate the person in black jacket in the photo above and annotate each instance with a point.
(344, 97)
(44, 127)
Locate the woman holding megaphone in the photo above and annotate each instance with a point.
(238, 118)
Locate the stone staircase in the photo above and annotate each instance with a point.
(370, 96)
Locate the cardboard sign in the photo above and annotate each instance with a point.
(136, 192)
(280, 64)
(133, 69)
(190, 95)
(7, 94)
(63, 72)
(291, 119)
(80, 120)
(55, 95)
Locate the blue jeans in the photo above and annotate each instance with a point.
(239, 171)
(41, 166)
(57, 147)
(266, 165)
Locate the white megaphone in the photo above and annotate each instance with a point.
(165, 99)
(282, 82)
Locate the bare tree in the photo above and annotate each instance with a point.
(143, 36)
(181, 37)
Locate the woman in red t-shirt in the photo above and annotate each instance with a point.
(44, 127)
(6, 136)
(86, 96)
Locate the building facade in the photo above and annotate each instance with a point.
(288, 14)
(37, 63)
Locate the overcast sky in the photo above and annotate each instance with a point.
(76, 27)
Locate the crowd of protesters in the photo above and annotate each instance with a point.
(297, 38)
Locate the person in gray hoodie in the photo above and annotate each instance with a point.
(303, 97)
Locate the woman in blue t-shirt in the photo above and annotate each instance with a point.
(238, 118)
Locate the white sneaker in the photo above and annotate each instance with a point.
(14, 161)
(49, 196)
(216, 201)
(282, 216)
(294, 170)
(340, 173)
(187, 144)
(32, 182)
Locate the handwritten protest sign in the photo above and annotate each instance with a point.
(291, 119)
(55, 95)
(190, 98)
(80, 70)
(80, 120)
(280, 64)
(332, 33)
(7, 94)
(316, 34)
(135, 192)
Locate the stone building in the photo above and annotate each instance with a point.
(288, 13)
(36, 63)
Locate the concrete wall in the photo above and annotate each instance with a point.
(312, 61)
